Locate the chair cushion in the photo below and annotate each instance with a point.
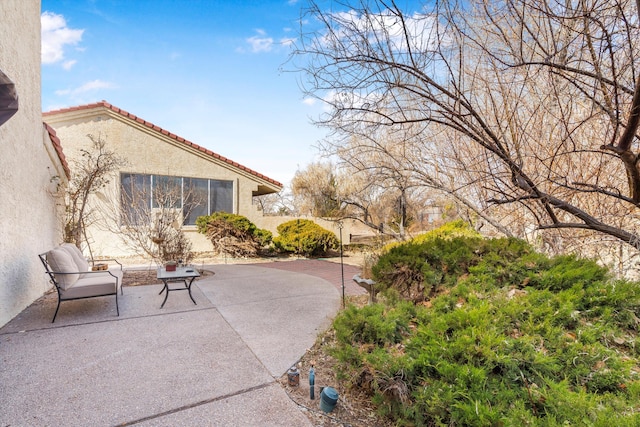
(60, 261)
(77, 256)
(92, 285)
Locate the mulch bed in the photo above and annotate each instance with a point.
(353, 408)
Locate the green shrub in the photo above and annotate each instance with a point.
(450, 230)
(233, 234)
(372, 325)
(416, 270)
(567, 270)
(264, 237)
(238, 222)
(457, 228)
(502, 336)
(304, 237)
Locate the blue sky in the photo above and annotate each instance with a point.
(206, 70)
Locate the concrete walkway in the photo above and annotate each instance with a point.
(211, 364)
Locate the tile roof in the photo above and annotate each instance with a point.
(58, 147)
(150, 125)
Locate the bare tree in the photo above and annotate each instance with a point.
(377, 195)
(381, 200)
(539, 99)
(398, 162)
(90, 174)
(149, 218)
(277, 204)
(315, 190)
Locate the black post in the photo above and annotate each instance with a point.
(340, 225)
(312, 383)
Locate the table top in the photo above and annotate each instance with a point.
(179, 273)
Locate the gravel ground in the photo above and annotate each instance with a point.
(352, 409)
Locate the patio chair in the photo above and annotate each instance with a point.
(70, 273)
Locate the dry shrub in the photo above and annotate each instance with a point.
(233, 235)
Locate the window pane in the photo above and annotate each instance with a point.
(221, 196)
(196, 195)
(135, 198)
(167, 191)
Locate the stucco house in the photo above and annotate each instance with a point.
(33, 171)
(155, 157)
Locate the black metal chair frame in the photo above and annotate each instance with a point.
(52, 276)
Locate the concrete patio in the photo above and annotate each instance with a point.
(211, 364)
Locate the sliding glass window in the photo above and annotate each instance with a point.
(196, 196)
(167, 191)
(135, 198)
(140, 193)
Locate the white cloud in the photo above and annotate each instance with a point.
(417, 31)
(309, 101)
(55, 37)
(91, 86)
(260, 42)
(68, 64)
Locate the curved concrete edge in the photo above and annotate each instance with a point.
(278, 314)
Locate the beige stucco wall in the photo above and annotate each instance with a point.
(28, 213)
(146, 151)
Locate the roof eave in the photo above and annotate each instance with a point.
(82, 110)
